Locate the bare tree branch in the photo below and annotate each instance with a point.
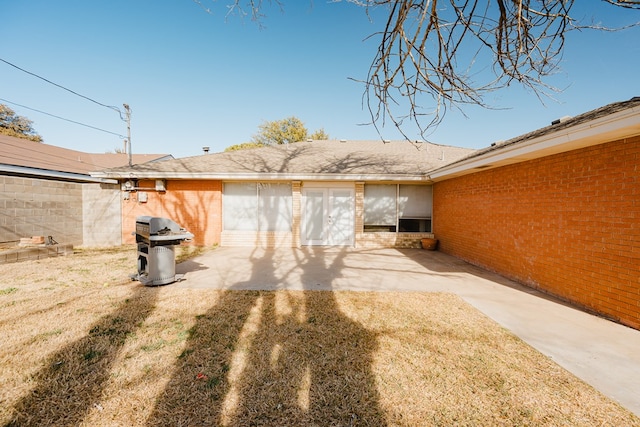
(437, 50)
(244, 8)
(423, 53)
(452, 53)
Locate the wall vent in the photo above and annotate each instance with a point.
(560, 120)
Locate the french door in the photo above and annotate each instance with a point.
(328, 216)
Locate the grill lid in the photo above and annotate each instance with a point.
(160, 229)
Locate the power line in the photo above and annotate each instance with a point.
(62, 118)
(64, 88)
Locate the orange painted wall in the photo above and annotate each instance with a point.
(567, 224)
(195, 205)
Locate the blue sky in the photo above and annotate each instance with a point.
(197, 79)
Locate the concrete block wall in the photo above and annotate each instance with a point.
(40, 207)
(101, 212)
(567, 224)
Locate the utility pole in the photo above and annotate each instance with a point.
(128, 117)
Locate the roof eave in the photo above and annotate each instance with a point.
(619, 125)
(256, 176)
(56, 175)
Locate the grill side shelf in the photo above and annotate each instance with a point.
(160, 238)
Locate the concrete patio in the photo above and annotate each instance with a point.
(604, 354)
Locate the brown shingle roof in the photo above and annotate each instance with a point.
(25, 153)
(395, 158)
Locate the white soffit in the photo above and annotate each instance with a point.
(27, 172)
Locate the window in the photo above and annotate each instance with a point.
(414, 208)
(257, 206)
(402, 208)
(380, 210)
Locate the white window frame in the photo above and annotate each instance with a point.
(416, 212)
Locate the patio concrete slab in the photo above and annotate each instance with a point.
(604, 354)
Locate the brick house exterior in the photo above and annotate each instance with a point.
(194, 204)
(566, 223)
(191, 191)
(557, 209)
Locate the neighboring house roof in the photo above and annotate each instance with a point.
(611, 122)
(322, 160)
(22, 156)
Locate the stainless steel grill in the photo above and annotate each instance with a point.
(156, 238)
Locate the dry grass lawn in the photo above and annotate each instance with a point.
(83, 345)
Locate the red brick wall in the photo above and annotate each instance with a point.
(567, 224)
(195, 205)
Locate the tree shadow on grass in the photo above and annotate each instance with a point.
(73, 379)
(310, 364)
(201, 382)
(284, 358)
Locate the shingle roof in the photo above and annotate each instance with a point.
(394, 158)
(30, 154)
